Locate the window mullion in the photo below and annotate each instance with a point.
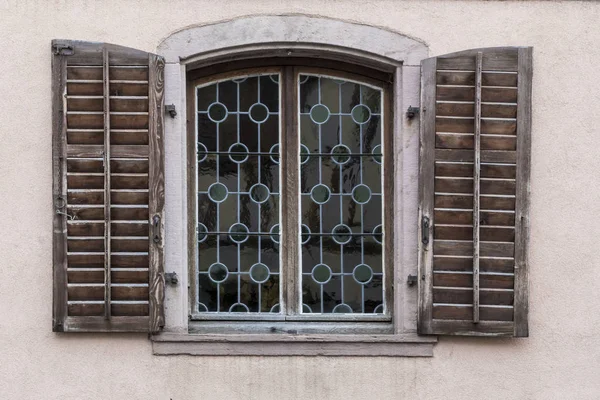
(290, 190)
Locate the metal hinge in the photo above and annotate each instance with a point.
(171, 278)
(425, 230)
(171, 110)
(411, 280)
(60, 49)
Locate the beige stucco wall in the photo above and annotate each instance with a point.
(560, 360)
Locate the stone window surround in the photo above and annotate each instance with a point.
(291, 35)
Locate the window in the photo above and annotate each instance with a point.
(323, 130)
(304, 203)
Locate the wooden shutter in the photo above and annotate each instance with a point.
(474, 180)
(108, 189)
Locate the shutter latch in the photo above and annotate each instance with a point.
(156, 229)
(62, 49)
(411, 112)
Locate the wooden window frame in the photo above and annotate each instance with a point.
(290, 290)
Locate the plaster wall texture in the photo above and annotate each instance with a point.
(560, 360)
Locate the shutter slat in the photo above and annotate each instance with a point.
(105, 121)
(475, 146)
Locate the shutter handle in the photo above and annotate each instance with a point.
(61, 203)
(156, 229)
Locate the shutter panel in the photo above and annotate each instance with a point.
(108, 189)
(474, 200)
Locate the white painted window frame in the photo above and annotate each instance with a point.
(293, 34)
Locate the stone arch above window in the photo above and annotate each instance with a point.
(290, 31)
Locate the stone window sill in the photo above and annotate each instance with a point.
(403, 345)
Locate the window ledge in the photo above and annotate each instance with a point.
(407, 345)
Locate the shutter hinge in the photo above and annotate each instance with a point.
(171, 278)
(60, 49)
(171, 110)
(425, 230)
(411, 112)
(411, 280)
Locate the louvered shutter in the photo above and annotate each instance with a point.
(108, 189)
(474, 182)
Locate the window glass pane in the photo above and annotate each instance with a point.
(238, 195)
(341, 196)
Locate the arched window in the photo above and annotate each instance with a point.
(290, 183)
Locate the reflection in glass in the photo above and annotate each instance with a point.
(340, 126)
(238, 195)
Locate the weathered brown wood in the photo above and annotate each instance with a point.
(449, 263)
(128, 137)
(476, 245)
(133, 309)
(129, 229)
(84, 165)
(87, 72)
(466, 248)
(156, 191)
(107, 184)
(525, 70)
(465, 296)
(120, 260)
(129, 104)
(77, 228)
(128, 88)
(487, 156)
(119, 213)
(85, 197)
(129, 120)
(466, 170)
(129, 181)
(118, 309)
(85, 181)
(119, 166)
(129, 73)
(59, 187)
(90, 213)
(129, 197)
(108, 129)
(442, 312)
(469, 128)
(494, 59)
(466, 141)
(84, 137)
(453, 232)
(129, 151)
(290, 186)
(465, 201)
(191, 197)
(129, 292)
(457, 125)
(426, 195)
(85, 151)
(466, 280)
(130, 245)
(85, 103)
(498, 127)
(85, 88)
(78, 120)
